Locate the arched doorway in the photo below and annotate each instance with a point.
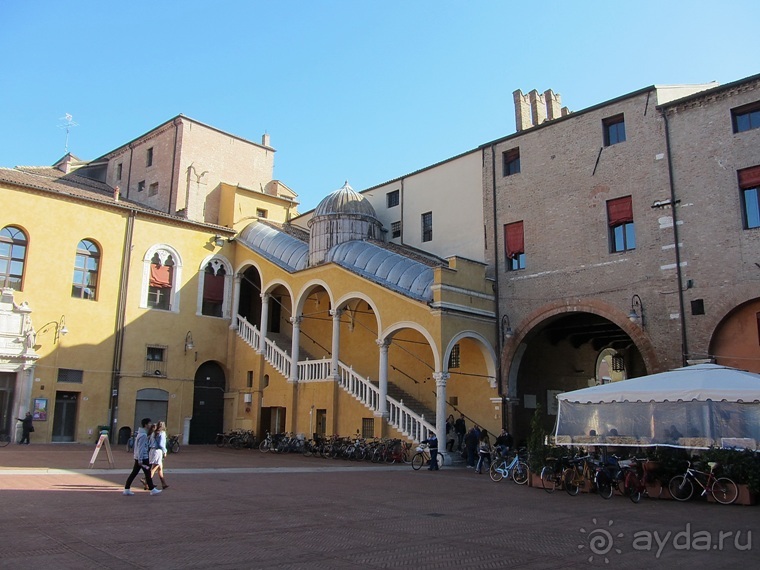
(208, 403)
(249, 303)
(151, 403)
(736, 341)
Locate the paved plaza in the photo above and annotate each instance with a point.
(244, 509)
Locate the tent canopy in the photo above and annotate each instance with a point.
(692, 407)
(699, 382)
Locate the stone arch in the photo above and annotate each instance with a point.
(734, 339)
(303, 294)
(357, 295)
(395, 327)
(489, 354)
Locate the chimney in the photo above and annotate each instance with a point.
(537, 107)
(522, 111)
(265, 139)
(553, 104)
(116, 192)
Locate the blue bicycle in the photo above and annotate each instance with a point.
(504, 467)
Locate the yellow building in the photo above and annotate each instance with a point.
(166, 279)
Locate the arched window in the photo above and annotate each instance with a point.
(12, 257)
(213, 289)
(86, 267)
(161, 279)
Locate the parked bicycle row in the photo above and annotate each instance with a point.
(636, 478)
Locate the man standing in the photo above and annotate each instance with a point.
(432, 442)
(142, 460)
(26, 428)
(460, 428)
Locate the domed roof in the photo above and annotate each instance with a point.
(345, 201)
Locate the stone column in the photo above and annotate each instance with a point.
(382, 410)
(264, 322)
(235, 301)
(334, 371)
(294, 348)
(440, 409)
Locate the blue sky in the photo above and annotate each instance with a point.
(348, 90)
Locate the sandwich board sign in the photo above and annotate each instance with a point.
(102, 442)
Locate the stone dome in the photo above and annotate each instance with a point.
(345, 201)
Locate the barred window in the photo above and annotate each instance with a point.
(155, 360)
(368, 427)
(454, 357)
(68, 375)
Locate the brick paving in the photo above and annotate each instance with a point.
(245, 509)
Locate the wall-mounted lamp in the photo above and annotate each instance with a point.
(218, 240)
(637, 311)
(60, 329)
(506, 329)
(189, 342)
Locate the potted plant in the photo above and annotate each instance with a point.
(742, 467)
(537, 445)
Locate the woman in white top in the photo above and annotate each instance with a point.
(158, 452)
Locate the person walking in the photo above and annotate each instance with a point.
(484, 451)
(156, 453)
(460, 428)
(27, 427)
(142, 460)
(471, 445)
(451, 435)
(432, 442)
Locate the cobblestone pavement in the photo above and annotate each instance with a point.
(245, 509)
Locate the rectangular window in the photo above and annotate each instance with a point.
(68, 375)
(614, 130)
(454, 357)
(155, 360)
(149, 157)
(393, 198)
(749, 184)
(118, 171)
(620, 220)
(396, 230)
(261, 213)
(746, 118)
(249, 379)
(511, 161)
(427, 226)
(514, 244)
(213, 293)
(153, 189)
(141, 186)
(368, 428)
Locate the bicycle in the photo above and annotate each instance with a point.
(723, 489)
(551, 473)
(422, 457)
(575, 478)
(172, 443)
(266, 443)
(5, 439)
(515, 468)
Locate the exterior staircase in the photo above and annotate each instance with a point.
(413, 424)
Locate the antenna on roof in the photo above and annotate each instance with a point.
(68, 122)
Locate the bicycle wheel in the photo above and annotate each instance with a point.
(603, 485)
(632, 487)
(724, 490)
(570, 479)
(406, 456)
(549, 479)
(264, 446)
(5, 439)
(495, 472)
(681, 488)
(175, 447)
(220, 440)
(418, 461)
(520, 473)
(441, 459)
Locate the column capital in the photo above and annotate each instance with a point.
(383, 343)
(264, 297)
(295, 321)
(441, 378)
(336, 313)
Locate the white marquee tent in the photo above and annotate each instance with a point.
(692, 407)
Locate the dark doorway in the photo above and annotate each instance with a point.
(272, 420)
(7, 382)
(65, 416)
(275, 314)
(208, 403)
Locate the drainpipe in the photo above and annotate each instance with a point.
(499, 340)
(120, 321)
(679, 273)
